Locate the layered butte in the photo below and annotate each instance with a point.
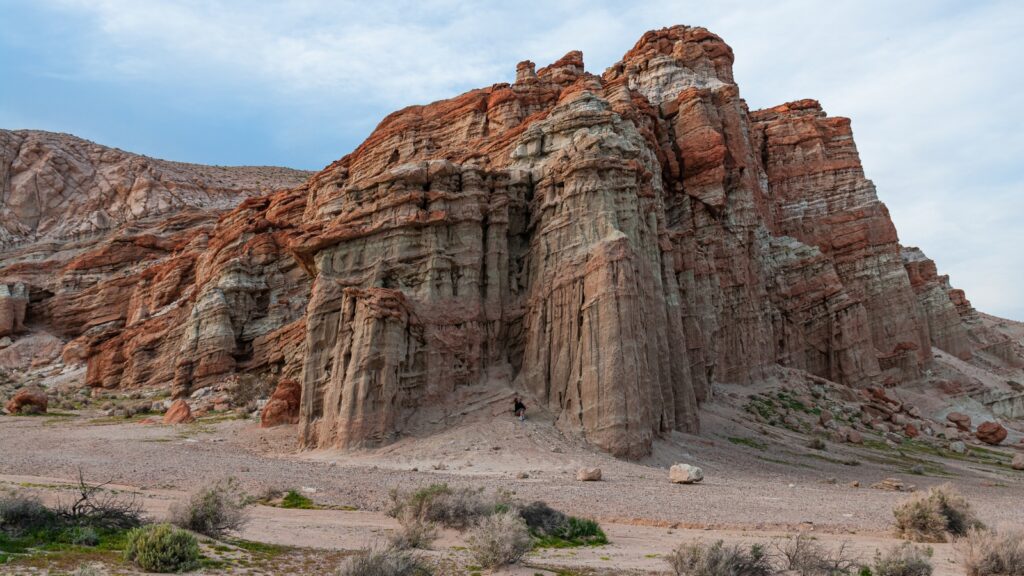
(611, 245)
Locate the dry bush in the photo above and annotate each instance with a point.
(213, 510)
(247, 389)
(700, 559)
(387, 562)
(414, 532)
(988, 553)
(21, 514)
(806, 557)
(904, 560)
(99, 508)
(455, 508)
(934, 515)
(499, 539)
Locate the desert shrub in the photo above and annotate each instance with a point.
(162, 548)
(213, 510)
(699, 559)
(387, 562)
(99, 508)
(414, 532)
(986, 553)
(90, 570)
(803, 556)
(499, 539)
(904, 560)
(553, 529)
(934, 515)
(83, 536)
(455, 508)
(248, 388)
(20, 514)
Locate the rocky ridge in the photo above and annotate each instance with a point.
(612, 245)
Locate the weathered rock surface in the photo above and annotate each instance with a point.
(991, 433)
(610, 245)
(588, 474)
(283, 406)
(27, 401)
(179, 413)
(685, 474)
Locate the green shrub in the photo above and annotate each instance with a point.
(387, 562)
(213, 511)
(935, 515)
(699, 559)
(295, 500)
(83, 536)
(554, 529)
(499, 539)
(162, 548)
(986, 553)
(904, 560)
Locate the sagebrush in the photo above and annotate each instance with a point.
(935, 516)
(904, 560)
(717, 559)
(213, 510)
(989, 553)
(162, 548)
(804, 556)
(386, 562)
(499, 539)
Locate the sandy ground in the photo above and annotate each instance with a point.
(759, 491)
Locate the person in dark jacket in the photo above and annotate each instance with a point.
(519, 408)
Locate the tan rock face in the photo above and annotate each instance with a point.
(607, 245)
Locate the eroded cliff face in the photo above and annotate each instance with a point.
(609, 245)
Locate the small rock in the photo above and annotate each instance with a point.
(991, 433)
(911, 431)
(685, 474)
(854, 484)
(178, 413)
(825, 418)
(6, 341)
(1018, 462)
(958, 447)
(893, 485)
(960, 420)
(522, 476)
(894, 438)
(854, 437)
(588, 474)
(951, 433)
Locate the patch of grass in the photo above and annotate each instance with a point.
(259, 547)
(748, 442)
(293, 499)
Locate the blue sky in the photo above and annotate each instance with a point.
(935, 88)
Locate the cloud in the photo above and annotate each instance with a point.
(934, 87)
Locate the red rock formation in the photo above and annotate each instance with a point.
(178, 413)
(27, 401)
(283, 406)
(991, 433)
(610, 245)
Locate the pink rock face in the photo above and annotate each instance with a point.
(178, 413)
(991, 433)
(283, 405)
(27, 401)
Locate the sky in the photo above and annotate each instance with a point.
(935, 88)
